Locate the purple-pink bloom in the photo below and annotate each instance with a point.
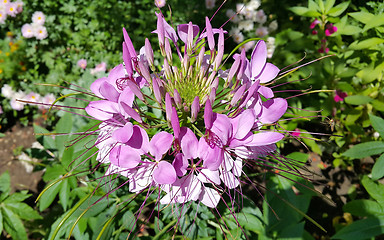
(314, 23)
(330, 29)
(339, 96)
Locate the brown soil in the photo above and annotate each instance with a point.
(15, 140)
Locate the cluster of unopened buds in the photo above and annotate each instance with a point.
(328, 29)
(187, 128)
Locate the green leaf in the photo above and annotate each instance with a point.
(364, 17)
(321, 5)
(363, 208)
(328, 5)
(357, 99)
(378, 105)
(377, 124)
(1, 221)
(338, 9)
(378, 168)
(5, 185)
(371, 73)
(18, 196)
(64, 126)
(365, 149)
(64, 194)
(376, 21)
(48, 196)
(376, 191)
(250, 222)
(347, 30)
(13, 225)
(362, 229)
(48, 141)
(299, 10)
(366, 44)
(22, 210)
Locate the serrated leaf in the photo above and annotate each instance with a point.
(365, 149)
(378, 168)
(366, 44)
(376, 191)
(363, 208)
(13, 225)
(321, 5)
(357, 99)
(338, 9)
(364, 17)
(376, 21)
(377, 124)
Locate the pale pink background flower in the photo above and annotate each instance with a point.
(27, 30)
(7, 91)
(160, 3)
(19, 6)
(33, 97)
(101, 67)
(261, 31)
(40, 32)
(210, 4)
(3, 16)
(11, 9)
(82, 63)
(16, 105)
(38, 18)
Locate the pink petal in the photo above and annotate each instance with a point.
(124, 157)
(131, 112)
(160, 144)
(182, 30)
(123, 134)
(131, 49)
(189, 143)
(95, 86)
(212, 157)
(109, 92)
(266, 92)
(243, 123)
(265, 138)
(273, 109)
(102, 109)
(164, 173)
(175, 123)
(258, 58)
(180, 164)
(268, 73)
(139, 140)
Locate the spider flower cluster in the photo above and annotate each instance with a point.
(212, 122)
